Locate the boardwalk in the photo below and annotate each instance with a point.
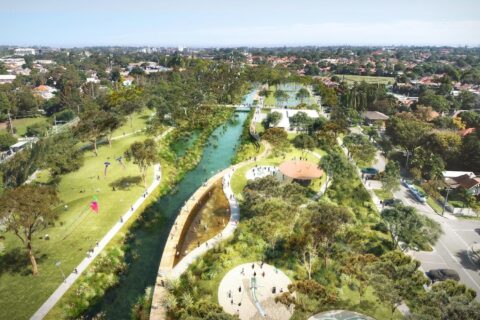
(167, 270)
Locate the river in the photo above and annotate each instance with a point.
(145, 246)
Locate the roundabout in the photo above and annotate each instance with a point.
(249, 291)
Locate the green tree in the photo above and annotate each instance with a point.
(300, 121)
(272, 119)
(360, 148)
(281, 96)
(304, 141)
(27, 210)
(6, 140)
(60, 154)
(391, 176)
(321, 225)
(94, 124)
(143, 154)
(302, 94)
(405, 225)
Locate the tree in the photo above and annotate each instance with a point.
(391, 176)
(427, 165)
(470, 154)
(304, 141)
(411, 229)
(143, 154)
(272, 119)
(6, 140)
(27, 210)
(407, 132)
(336, 166)
(281, 96)
(355, 266)
(95, 124)
(447, 300)
(321, 224)
(60, 154)
(125, 102)
(302, 94)
(301, 121)
(360, 148)
(278, 137)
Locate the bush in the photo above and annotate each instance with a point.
(6, 140)
(37, 130)
(304, 141)
(65, 115)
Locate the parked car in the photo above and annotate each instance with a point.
(442, 275)
(369, 171)
(392, 202)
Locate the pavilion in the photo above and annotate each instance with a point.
(300, 171)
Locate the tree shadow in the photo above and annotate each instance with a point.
(16, 261)
(126, 182)
(466, 261)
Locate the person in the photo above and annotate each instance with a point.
(240, 289)
(253, 266)
(254, 274)
(75, 271)
(263, 274)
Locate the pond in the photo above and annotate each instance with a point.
(145, 246)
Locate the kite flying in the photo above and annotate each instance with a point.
(106, 166)
(94, 204)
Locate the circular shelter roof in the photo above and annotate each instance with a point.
(300, 170)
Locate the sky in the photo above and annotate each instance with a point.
(228, 23)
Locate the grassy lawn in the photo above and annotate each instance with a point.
(76, 230)
(22, 124)
(382, 194)
(350, 79)
(368, 305)
(239, 179)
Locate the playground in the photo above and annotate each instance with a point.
(249, 291)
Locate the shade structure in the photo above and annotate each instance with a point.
(300, 170)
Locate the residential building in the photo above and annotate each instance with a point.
(44, 92)
(24, 51)
(7, 78)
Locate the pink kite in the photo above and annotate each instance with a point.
(94, 206)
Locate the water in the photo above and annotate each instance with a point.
(249, 97)
(151, 232)
(181, 146)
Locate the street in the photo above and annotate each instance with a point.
(451, 250)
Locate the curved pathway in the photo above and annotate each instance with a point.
(72, 277)
(166, 269)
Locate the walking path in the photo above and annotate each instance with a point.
(167, 270)
(72, 277)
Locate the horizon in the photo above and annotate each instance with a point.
(215, 24)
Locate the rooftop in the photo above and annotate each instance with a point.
(375, 115)
(300, 170)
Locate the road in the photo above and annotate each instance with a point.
(451, 250)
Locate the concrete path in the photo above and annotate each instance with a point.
(72, 277)
(158, 312)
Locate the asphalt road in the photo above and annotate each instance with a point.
(451, 250)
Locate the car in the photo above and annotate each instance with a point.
(442, 275)
(369, 171)
(392, 202)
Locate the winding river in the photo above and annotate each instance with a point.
(145, 246)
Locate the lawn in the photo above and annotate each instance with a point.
(382, 194)
(367, 305)
(22, 124)
(350, 79)
(76, 230)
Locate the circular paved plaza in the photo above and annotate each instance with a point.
(340, 315)
(249, 290)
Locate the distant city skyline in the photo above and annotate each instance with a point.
(264, 23)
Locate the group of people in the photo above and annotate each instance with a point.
(261, 172)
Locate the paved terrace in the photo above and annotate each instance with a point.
(168, 269)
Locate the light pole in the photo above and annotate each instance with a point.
(408, 154)
(57, 264)
(448, 189)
